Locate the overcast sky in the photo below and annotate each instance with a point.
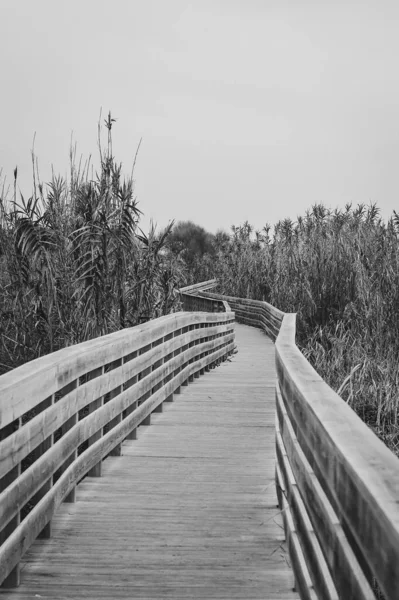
(248, 109)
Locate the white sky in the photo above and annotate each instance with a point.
(248, 109)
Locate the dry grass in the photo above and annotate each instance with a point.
(339, 270)
(74, 264)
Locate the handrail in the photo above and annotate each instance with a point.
(194, 297)
(62, 414)
(337, 483)
(252, 312)
(198, 302)
(203, 285)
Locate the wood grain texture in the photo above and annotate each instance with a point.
(251, 312)
(313, 555)
(22, 388)
(357, 472)
(115, 397)
(18, 445)
(188, 510)
(350, 580)
(47, 464)
(198, 302)
(349, 480)
(303, 582)
(202, 285)
(16, 545)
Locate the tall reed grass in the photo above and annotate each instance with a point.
(73, 262)
(339, 270)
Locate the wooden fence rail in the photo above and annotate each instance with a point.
(337, 483)
(201, 303)
(204, 285)
(62, 414)
(250, 312)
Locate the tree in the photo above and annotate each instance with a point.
(190, 241)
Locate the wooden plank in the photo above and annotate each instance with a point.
(18, 445)
(353, 466)
(200, 303)
(33, 478)
(349, 579)
(13, 577)
(302, 577)
(46, 444)
(248, 303)
(325, 427)
(202, 285)
(19, 542)
(187, 511)
(253, 312)
(313, 555)
(22, 388)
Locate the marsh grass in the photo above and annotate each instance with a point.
(339, 270)
(75, 265)
(73, 262)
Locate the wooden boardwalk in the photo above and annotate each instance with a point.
(188, 511)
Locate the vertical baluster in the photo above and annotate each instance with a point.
(147, 371)
(44, 446)
(158, 386)
(214, 338)
(206, 353)
(176, 352)
(96, 404)
(197, 342)
(167, 358)
(14, 577)
(202, 355)
(191, 344)
(133, 434)
(170, 397)
(117, 450)
(71, 497)
(183, 348)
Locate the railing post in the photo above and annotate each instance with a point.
(14, 577)
(197, 373)
(159, 408)
(186, 346)
(177, 333)
(44, 446)
(191, 344)
(202, 371)
(212, 364)
(117, 450)
(133, 434)
(166, 359)
(170, 397)
(96, 470)
(71, 497)
(147, 420)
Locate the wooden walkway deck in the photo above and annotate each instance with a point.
(188, 511)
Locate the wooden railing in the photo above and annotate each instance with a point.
(62, 414)
(337, 483)
(192, 299)
(200, 303)
(250, 312)
(203, 285)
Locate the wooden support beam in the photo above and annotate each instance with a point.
(90, 410)
(14, 577)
